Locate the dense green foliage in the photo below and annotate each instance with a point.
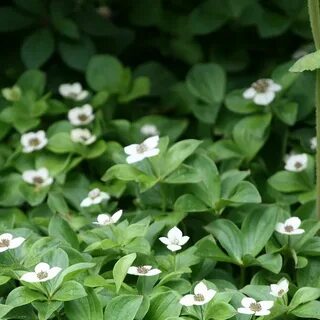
(221, 171)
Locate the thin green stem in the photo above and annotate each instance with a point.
(314, 15)
(174, 261)
(201, 313)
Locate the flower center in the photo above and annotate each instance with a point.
(42, 275)
(289, 228)
(94, 194)
(255, 307)
(298, 165)
(175, 241)
(82, 117)
(141, 148)
(142, 270)
(37, 180)
(261, 86)
(4, 243)
(34, 142)
(199, 297)
(280, 292)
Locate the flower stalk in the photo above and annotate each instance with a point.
(314, 15)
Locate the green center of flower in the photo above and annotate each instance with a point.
(37, 180)
(289, 228)
(199, 297)
(34, 142)
(255, 307)
(261, 86)
(82, 117)
(4, 243)
(142, 270)
(141, 148)
(42, 275)
(281, 292)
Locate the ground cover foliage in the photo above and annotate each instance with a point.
(157, 161)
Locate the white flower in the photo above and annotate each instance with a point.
(290, 226)
(313, 143)
(149, 130)
(8, 242)
(81, 115)
(175, 239)
(262, 92)
(73, 91)
(105, 219)
(39, 178)
(83, 136)
(146, 149)
(251, 306)
(42, 272)
(296, 162)
(95, 196)
(32, 141)
(279, 289)
(202, 295)
(146, 271)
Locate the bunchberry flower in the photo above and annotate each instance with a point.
(83, 136)
(105, 219)
(39, 178)
(174, 240)
(202, 295)
(296, 162)
(33, 141)
(251, 306)
(42, 273)
(73, 91)
(149, 130)
(146, 149)
(95, 196)
(313, 143)
(290, 226)
(262, 92)
(81, 115)
(7, 242)
(279, 289)
(146, 271)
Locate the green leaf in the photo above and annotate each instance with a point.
(189, 203)
(23, 295)
(61, 143)
(304, 295)
(236, 103)
(250, 133)
(140, 88)
(60, 229)
(207, 82)
(121, 268)
(271, 262)
(309, 310)
(70, 290)
(309, 62)
(257, 229)
(184, 174)
(46, 309)
(124, 307)
(4, 309)
(286, 111)
(87, 308)
(219, 311)
(229, 236)
(32, 80)
(177, 154)
(164, 305)
(104, 72)
(37, 48)
(12, 20)
(245, 192)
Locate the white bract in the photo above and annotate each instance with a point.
(33, 141)
(149, 130)
(81, 115)
(83, 136)
(146, 271)
(7, 241)
(251, 306)
(313, 143)
(296, 162)
(105, 219)
(290, 226)
(95, 196)
(42, 272)
(73, 91)
(146, 149)
(202, 295)
(262, 92)
(39, 177)
(175, 239)
(279, 289)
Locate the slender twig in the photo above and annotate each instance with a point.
(314, 15)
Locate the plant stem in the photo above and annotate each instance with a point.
(242, 276)
(314, 15)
